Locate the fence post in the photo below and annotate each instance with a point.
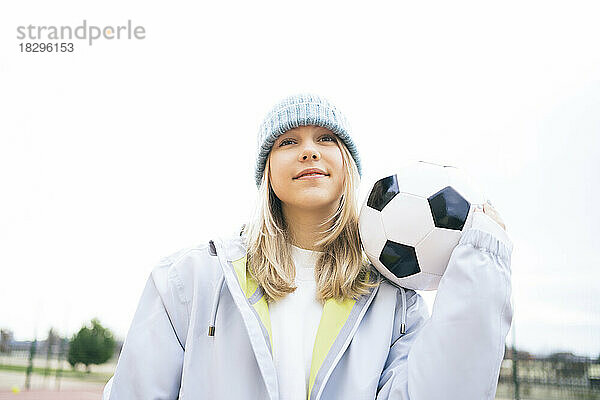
(61, 351)
(48, 354)
(514, 363)
(30, 366)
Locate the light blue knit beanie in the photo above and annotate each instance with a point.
(300, 110)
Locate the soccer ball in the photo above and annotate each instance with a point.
(411, 221)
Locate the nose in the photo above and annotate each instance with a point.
(309, 152)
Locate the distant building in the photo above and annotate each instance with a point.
(6, 337)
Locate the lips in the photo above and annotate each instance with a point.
(311, 177)
(310, 171)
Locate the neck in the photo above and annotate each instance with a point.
(304, 225)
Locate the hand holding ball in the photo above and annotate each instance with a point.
(490, 211)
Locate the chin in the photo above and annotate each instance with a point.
(315, 201)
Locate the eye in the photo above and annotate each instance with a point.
(284, 141)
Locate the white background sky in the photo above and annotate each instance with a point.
(123, 152)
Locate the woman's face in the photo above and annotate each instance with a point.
(301, 148)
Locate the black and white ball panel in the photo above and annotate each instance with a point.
(372, 232)
(435, 249)
(383, 192)
(449, 209)
(400, 259)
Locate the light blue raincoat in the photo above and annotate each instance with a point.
(202, 331)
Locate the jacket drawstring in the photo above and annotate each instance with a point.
(403, 325)
(213, 314)
(216, 296)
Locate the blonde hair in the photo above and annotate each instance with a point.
(340, 271)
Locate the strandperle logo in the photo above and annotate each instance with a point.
(83, 32)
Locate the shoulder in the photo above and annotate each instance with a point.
(176, 275)
(410, 310)
(404, 298)
(402, 294)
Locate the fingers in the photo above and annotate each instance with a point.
(491, 211)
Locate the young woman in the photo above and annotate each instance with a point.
(290, 308)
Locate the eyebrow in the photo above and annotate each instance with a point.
(319, 132)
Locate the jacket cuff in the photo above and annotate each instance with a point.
(487, 233)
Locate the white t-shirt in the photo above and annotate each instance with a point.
(294, 323)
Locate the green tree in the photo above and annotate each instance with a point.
(94, 345)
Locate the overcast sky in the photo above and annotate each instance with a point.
(122, 152)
